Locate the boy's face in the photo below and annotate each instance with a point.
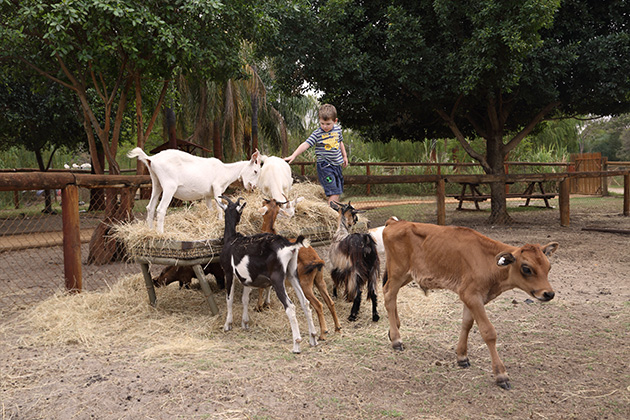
(327, 125)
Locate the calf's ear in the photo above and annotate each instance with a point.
(550, 248)
(505, 258)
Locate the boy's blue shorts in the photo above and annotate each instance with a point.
(330, 177)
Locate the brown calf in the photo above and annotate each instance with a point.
(474, 266)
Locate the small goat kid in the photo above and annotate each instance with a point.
(309, 272)
(355, 261)
(262, 260)
(177, 174)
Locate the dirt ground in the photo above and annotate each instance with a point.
(567, 359)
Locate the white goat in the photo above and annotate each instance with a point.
(187, 177)
(275, 182)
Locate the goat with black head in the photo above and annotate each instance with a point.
(260, 261)
(354, 260)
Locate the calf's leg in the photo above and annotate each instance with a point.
(462, 345)
(489, 335)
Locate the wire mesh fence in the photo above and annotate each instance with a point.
(31, 246)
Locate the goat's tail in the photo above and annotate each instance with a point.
(139, 153)
(302, 241)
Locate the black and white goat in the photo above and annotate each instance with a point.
(259, 261)
(354, 260)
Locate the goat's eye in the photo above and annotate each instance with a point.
(526, 270)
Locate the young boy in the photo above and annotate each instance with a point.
(329, 150)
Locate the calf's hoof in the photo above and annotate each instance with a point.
(463, 363)
(396, 345)
(504, 383)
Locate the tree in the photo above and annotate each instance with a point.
(38, 117)
(107, 50)
(477, 68)
(610, 136)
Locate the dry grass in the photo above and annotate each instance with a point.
(182, 324)
(196, 222)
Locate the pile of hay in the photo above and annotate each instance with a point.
(313, 218)
(181, 324)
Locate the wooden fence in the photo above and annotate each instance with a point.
(69, 183)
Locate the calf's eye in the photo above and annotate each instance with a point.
(526, 270)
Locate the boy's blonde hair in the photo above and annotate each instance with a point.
(327, 112)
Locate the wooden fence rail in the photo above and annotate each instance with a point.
(70, 182)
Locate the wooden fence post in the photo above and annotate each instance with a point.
(71, 238)
(626, 194)
(563, 202)
(604, 178)
(367, 172)
(440, 199)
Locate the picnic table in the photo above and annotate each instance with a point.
(475, 196)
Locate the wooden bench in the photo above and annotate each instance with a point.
(475, 196)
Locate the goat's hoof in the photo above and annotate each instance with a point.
(352, 318)
(375, 317)
(504, 383)
(245, 326)
(227, 328)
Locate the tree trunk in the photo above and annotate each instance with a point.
(170, 126)
(47, 193)
(254, 122)
(217, 144)
(495, 157)
(103, 247)
(97, 195)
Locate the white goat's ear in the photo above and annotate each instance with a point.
(263, 210)
(504, 258)
(256, 157)
(297, 200)
(283, 212)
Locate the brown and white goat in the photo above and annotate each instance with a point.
(470, 264)
(355, 261)
(309, 271)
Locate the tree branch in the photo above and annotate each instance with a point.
(530, 126)
(462, 140)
